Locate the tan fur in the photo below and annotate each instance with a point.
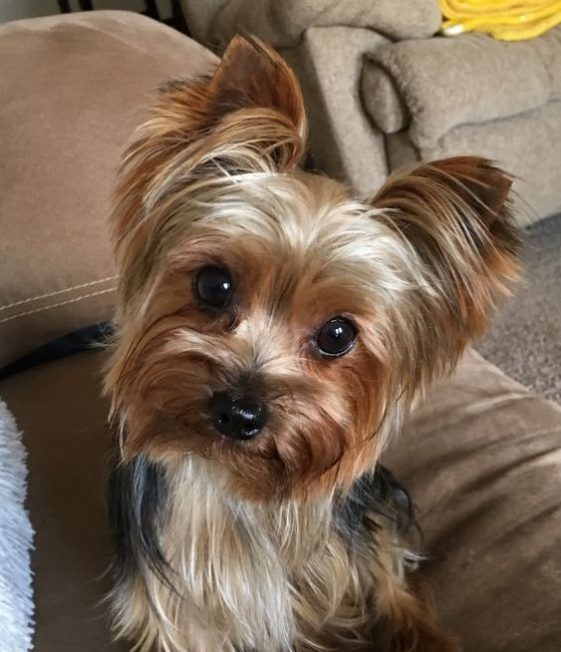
(264, 577)
(256, 561)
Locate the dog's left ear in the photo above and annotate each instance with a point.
(454, 218)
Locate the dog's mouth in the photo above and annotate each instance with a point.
(266, 467)
(294, 444)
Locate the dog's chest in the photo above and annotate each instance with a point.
(262, 579)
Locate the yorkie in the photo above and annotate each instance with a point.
(272, 331)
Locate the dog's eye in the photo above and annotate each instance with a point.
(213, 287)
(336, 337)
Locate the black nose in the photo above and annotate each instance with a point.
(237, 417)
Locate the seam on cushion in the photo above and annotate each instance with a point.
(449, 419)
(548, 73)
(57, 305)
(56, 292)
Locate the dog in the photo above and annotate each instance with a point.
(272, 331)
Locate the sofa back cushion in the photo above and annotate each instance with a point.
(72, 90)
(284, 22)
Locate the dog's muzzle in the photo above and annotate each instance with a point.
(237, 417)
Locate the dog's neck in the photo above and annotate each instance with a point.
(207, 509)
(232, 557)
(265, 575)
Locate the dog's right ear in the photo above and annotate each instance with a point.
(253, 75)
(247, 116)
(250, 77)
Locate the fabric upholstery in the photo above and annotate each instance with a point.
(473, 95)
(72, 90)
(401, 151)
(283, 23)
(381, 100)
(201, 16)
(482, 459)
(527, 145)
(417, 97)
(63, 420)
(548, 48)
(342, 140)
(444, 83)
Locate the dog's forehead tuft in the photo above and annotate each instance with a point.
(304, 223)
(299, 214)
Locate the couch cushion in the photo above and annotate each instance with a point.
(527, 145)
(442, 83)
(282, 23)
(344, 145)
(548, 48)
(72, 90)
(482, 459)
(63, 419)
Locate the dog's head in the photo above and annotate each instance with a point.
(268, 320)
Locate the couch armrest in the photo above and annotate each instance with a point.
(434, 85)
(343, 141)
(282, 23)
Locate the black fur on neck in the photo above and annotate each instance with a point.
(137, 497)
(374, 496)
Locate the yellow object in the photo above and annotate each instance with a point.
(507, 20)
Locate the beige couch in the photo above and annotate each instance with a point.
(482, 456)
(385, 91)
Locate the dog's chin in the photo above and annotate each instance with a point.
(252, 470)
(273, 482)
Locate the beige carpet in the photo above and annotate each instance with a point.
(525, 337)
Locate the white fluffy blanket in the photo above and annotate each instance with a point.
(16, 540)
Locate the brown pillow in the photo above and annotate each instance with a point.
(482, 460)
(72, 90)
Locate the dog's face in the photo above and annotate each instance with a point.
(268, 321)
